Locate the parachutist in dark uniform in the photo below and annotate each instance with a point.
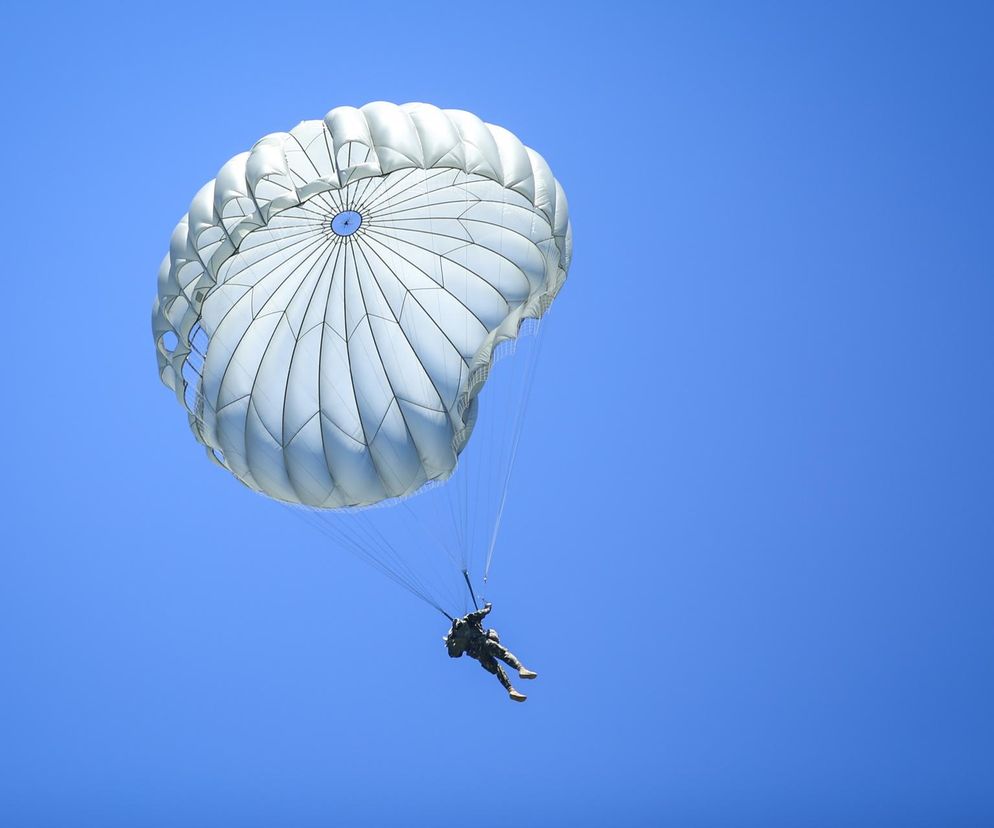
(468, 636)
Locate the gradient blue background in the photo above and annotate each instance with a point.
(750, 540)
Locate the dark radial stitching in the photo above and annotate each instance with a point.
(247, 295)
(384, 185)
(511, 230)
(306, 207)
(294, 249)
(278, 234)
(411, 291)
(386, 373)
(264, 396)
(432, 319)
(297, 215)
(299, 334)
(428, 205)
(390, 192)
(360, 199)
(384, 231)
(348, 354)
(302, 243)
(278, 239)
(476, 202)
(332, 199)
(322, 199)
(460, 219)
(308, 222)
(429, 192)
(258, 368)
(353, 202)
(325, 327)
(400, 328)
(339, 198)
(365, 184)
(388, 196)
(289, 371)
(322, 202)
(365, 317)
(291, 214)
(281, 235)
(381, 182)
(501, 227)
(303, 180)
(442, 287)
(454, 263)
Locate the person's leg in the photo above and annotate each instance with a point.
(505, 655)
(488, 663)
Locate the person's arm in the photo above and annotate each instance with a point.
(479, 615)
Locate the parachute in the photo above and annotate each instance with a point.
(334, 301)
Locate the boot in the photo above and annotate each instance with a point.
(516, 696)
(527, 674)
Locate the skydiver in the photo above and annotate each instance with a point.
(468, 636)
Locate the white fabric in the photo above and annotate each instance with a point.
(340, 370)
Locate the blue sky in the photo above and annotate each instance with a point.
(749, 545)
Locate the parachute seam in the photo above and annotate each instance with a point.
(386, 373)
(286, 388)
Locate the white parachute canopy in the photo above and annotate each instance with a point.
(330, 306)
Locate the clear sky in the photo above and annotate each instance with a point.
(749, 543)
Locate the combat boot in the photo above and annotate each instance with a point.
(516, 696)
(527, 674)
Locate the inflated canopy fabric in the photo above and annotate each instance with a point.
(329, 306)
